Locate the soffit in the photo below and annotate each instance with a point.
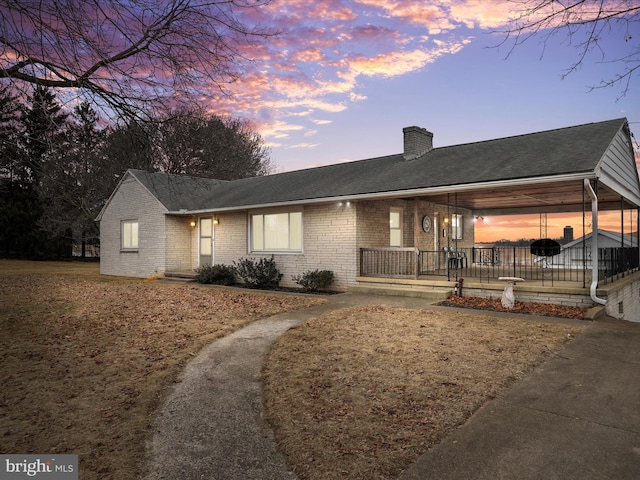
(549, 197)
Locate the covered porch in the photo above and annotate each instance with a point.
(549, 283)
(577, 277)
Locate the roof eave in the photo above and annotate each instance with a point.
(113, 193)
(400, 193)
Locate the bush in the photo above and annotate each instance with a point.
(310, 281)
(216, 274)
(258, 274)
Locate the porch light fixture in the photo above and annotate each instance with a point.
(192, 223)
(216, 221)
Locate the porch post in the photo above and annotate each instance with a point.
(447, 221)
(622, 222)
(584, 244)
(623, 252)
(416, 238)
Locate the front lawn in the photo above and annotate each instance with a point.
(85, 360)
(360, 393)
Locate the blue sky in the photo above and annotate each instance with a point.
(344, 77)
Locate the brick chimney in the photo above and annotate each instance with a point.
(568, 234)
(417, 141)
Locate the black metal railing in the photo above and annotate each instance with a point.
(489, 263)
(615, 262)
(389, 262)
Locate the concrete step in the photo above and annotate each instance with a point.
(179, 277)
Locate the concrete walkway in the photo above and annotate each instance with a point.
(578, 416)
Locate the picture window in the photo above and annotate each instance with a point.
(276, 232)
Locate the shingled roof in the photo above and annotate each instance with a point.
(566, 151)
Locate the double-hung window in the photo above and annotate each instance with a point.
(276, 232)
(395, 227)
(129, 234)
(456, 226)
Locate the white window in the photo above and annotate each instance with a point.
(395, 227)
(276, 232)
(456, 226)
(130, 235)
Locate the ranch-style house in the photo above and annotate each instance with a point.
(400, 224)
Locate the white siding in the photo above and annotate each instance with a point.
(133, 202)
(618, 169)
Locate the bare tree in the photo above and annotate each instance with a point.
(126, 55)
(586, 23)
(196, 143)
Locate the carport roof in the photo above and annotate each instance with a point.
(539, 172)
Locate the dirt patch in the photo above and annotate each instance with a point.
(360, 393)
(85, 360)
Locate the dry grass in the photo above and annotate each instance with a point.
(360, 393)
(86, 360)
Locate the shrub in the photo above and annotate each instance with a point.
(310, 281)
(258, 274)
(216, 274)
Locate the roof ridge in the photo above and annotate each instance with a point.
(330, 165)
(620, 119)
(178, 175)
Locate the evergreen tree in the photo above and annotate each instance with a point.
(44, 124)
(9, 132)
(69, 181)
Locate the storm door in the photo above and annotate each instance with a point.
(206, 241)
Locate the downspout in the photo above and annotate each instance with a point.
(595, 255)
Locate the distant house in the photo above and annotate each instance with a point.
(368, 218)
(578, 253)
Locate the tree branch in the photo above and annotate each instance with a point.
(120, 51)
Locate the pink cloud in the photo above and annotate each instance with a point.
(325, 48)
(313, 55)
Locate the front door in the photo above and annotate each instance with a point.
(206, 241)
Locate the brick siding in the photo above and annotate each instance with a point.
(132, 202)
(333, 234)
(180, 235)
(328, 244)
(623, 302)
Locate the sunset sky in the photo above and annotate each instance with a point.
(344, 77)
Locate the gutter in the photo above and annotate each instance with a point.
(594, 243)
